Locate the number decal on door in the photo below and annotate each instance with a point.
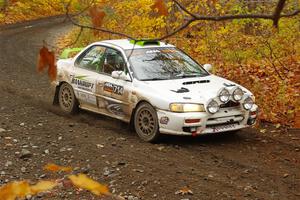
(113, 88)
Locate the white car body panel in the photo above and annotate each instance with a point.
(90, 90)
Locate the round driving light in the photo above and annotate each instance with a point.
(238, 94)
(213, 107)
(248, 103)
(224, 95)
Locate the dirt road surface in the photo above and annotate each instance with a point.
(248, 165)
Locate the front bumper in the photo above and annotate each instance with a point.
(227, 119)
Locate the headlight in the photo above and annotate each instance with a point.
(213, 107)
(186, 107)
(224, 95)
(248, 103)
(238, 94)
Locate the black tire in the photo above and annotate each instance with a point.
(67, 100)
(146, 123)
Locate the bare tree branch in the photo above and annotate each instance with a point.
(185, 25)
(275, 17)
(183, 8)
(77, 38)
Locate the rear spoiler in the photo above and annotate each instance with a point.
(66, 53)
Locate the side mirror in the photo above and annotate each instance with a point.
(120, 75)
(208, 67)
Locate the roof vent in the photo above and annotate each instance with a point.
(145, 42)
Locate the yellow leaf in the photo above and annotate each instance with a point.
(55, 168)
(6, 192)
(84, 182)
(42, 186)
(13, 190)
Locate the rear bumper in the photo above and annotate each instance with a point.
(227, 119)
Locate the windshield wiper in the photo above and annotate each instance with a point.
(183, 75)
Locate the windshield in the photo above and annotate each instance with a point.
(163, 63)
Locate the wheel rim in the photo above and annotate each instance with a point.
(146, 122)
(66, 98)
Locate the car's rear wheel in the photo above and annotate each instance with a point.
(67, 100)
(146, 123)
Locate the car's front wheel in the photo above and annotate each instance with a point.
(67, 100)
(146, 123)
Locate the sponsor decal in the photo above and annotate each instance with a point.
(87, 98)
(113, 88)
(152, 51)
(115, 109)
(164, 120)
(81, 83)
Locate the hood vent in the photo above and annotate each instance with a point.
(181, 90)
(195, 82)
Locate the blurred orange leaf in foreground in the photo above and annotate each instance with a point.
(42, 186)
(161, 7)
(84, 182)
(21, 189)
(97, 15)
(47, 60)
(55, 168)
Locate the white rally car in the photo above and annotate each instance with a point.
(155, 86)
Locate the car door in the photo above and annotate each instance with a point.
(115, 91)
(84, 78)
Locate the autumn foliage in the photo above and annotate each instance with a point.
(23, 10)
(46, 60)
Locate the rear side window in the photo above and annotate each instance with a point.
(92, 59)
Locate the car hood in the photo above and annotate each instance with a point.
(199, 89)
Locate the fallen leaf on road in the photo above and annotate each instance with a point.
(263, 130)
(55, 168)
(184, 191)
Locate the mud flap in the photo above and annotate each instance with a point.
(55, 99)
